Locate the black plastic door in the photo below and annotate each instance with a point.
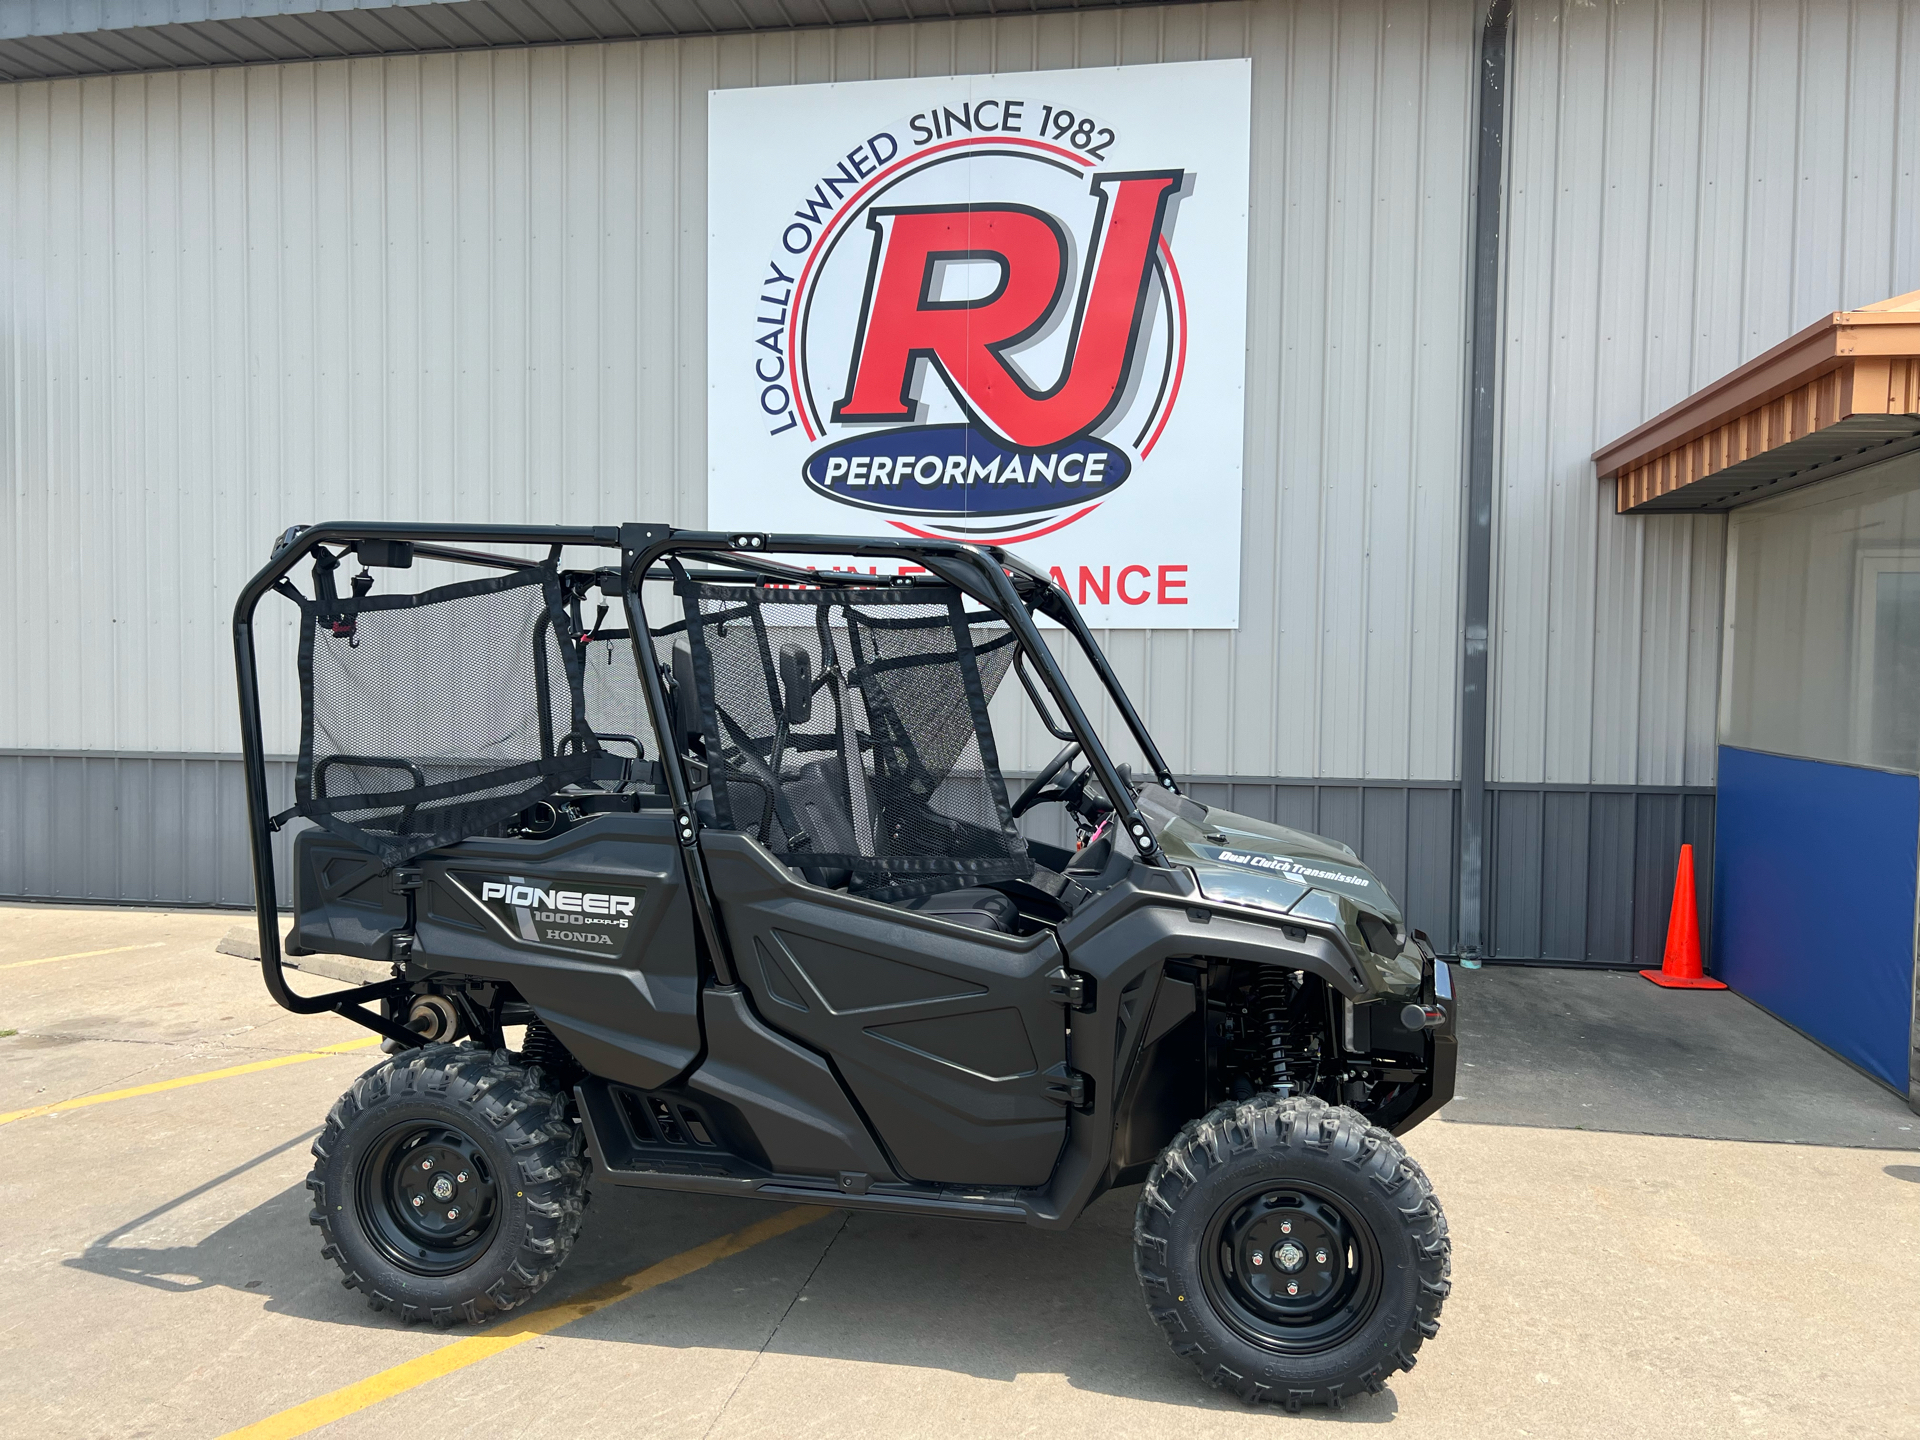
(944, 1036)
(592, 926)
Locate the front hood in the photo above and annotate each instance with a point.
(1242, 861)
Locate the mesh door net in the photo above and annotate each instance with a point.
(891, 786)
(427, 718)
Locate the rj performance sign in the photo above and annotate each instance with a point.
(1006, 309)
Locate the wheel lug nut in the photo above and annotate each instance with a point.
(461, 1178)
(427, 1164)
(1293, 1287)
(418, 1201)
(1320, 1257)
(1286, 1227)
(453, 1214)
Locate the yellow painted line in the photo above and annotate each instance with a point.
(80, 955)
(302, 1419)
(186, 1080)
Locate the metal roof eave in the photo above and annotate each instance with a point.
(57, 39)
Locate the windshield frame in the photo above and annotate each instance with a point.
(1010, 587)
(1051, 599)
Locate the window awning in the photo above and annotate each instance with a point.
(1842, 392)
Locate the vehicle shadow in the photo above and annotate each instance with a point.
(253, 1252)
(992, 1302)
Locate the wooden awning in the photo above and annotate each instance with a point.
(1842, 392)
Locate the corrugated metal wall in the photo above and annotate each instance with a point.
(150, 829)
(470, 287)
(1690, 182)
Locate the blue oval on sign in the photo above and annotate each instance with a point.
(951, 470)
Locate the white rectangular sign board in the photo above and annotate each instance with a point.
(1004, 309)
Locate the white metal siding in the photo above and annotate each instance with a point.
(469, 287)
(1690, 182)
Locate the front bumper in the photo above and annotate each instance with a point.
(1443, 1053)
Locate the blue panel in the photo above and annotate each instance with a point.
(1814, 870)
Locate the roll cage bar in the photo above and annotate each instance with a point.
(1003, 582)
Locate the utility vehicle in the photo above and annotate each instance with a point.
(697, 870)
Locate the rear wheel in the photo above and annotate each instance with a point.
(1291, 1251)
(448, 1183)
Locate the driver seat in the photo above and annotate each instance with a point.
(818, 795)
(977, 909)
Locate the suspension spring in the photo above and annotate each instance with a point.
(1273, 1003)
(543, 1048)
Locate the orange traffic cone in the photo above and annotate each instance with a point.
(1680, 969)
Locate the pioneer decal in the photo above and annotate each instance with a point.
(555, 914)
(999, 309)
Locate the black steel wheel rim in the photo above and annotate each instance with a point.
(1291, 1267)
(428, 1197)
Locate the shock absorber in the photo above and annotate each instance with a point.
(1273, 997)
(544, 1048)
(1284, 1039)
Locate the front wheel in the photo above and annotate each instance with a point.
(448, 1183)
(1291, 1251)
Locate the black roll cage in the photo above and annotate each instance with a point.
(1007, 585)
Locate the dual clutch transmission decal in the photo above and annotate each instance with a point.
(1289, 867)
(556, 914)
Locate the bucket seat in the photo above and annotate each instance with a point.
(818, 797)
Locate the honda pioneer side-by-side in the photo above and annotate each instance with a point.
(697, 870)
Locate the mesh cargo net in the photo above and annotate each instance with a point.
(616, 703)
(430, 717)
(892, 785)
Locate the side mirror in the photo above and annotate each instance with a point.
(796, 683)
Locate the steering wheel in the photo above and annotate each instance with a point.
(1031, 796)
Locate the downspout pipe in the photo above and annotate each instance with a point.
(1482, 441)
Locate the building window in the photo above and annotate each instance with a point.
(1823, 621)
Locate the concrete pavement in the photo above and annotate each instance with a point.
(163, 1279)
